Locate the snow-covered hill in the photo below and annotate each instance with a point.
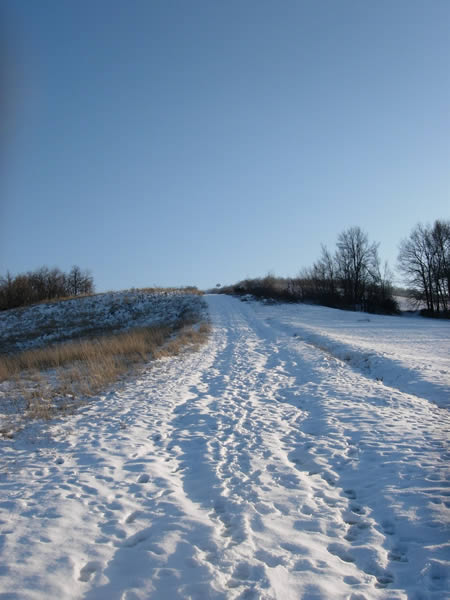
(38, 325)
(301, 454)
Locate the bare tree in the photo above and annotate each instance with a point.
(87, 283)
(323, 275)
(43, 284)
(74, 280)
(441, 268)
(357, 263)
(424, 260)
(56, 284)
(39, 283)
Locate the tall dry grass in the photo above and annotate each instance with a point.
(77, 369)
(107, 350)
(189, 289)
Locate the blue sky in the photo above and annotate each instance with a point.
(195, 142)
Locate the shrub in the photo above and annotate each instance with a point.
(43, 284)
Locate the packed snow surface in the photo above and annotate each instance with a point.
(301, 454)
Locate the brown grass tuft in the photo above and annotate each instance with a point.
(189, 336)
(107, 352)
(58, 377)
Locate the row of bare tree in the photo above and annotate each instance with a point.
(350, 277)
(43, 284)
(424, 260)
(353, 277)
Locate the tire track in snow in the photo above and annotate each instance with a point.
(384, 367)
(398, 478)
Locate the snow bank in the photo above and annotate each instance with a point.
(40, 324)
(411, 353)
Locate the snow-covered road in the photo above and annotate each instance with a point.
(260, 467)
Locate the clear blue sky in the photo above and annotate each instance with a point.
(180, 142)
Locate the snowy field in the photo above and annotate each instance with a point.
(301, 454)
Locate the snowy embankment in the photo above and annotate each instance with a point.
(259, 467)
(41, 324)
(408, 353)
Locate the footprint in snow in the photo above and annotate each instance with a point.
(350, 580)
(358, 510)
(271, 560)
(263, 508)
(356, 527)
(144, 478)
(257, 523)
(307, 509)
(352, 533)
(388, 527)
(137, 538)
(398, 554)
(350, 494)
(384, 580)
(341, 552)
(133, 516)
(436, 572)
(246, 572)
(89, 569)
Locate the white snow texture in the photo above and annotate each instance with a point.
(301, 454)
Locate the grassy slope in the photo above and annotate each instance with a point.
(126, 330)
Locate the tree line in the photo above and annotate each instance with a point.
(43, 284)
(352, 276)
(424, 260)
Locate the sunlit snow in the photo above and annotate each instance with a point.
(301, 454)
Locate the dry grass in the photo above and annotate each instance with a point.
(60, 299)
(57, 378)
(107, 352)
(92, 315)
(189, 336)
(170, 290)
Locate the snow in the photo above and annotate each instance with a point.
(409, 353)
(408, 304)
(42, 324)
(301, 454)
